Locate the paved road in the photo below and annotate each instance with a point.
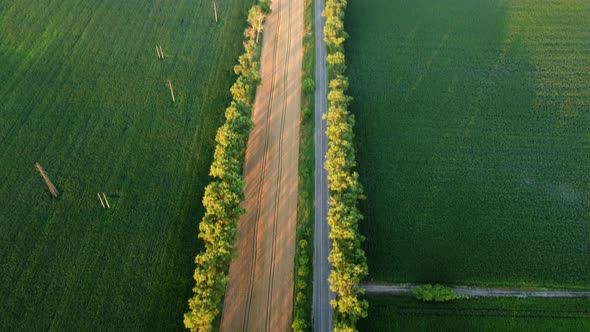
(484, 292)
(260, 288)
(322, 310)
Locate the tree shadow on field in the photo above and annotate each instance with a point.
(454, 98)
(22, 88)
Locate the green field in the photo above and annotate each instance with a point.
(473, 136)
(84, 94)
(407, 314)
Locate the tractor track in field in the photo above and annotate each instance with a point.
(260, 282)
(252, 269)
(278, 188)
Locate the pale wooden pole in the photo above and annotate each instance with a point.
(215, 8)
(162, 52)
(106, 200)
(158, 51)
(171, 91)
(48, 182)
(100, 199)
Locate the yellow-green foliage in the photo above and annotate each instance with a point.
(349, 265)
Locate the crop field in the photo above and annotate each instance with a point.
(473, 137)
(84, 94)
(407, 314)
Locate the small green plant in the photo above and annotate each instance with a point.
(308, 86)
(436, 293)
(306, 113)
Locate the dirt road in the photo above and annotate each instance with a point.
(260, 288)
(485, 292)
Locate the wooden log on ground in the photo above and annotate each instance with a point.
(106, 200)
(171, 91)
(215, 8)
(52, 189)
(100, 199)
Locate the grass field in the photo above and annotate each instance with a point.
(473, 136)
(407, 314)
(84, 94)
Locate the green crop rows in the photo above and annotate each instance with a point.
(84, 94)
(407, 314)
(473, 126)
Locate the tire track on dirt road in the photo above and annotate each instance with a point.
(278, 188)
(259, 293)
(260, 186)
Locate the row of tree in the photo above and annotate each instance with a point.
(301, 317)
(303, 250)
(349, 264)
(218, 228)
(302, 305)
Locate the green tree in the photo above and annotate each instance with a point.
(256, 17)
(308, 86)
(337, 62)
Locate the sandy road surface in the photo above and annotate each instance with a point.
(485, 292)
(260, 288)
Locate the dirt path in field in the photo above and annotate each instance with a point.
(483, 292)
(260, 288)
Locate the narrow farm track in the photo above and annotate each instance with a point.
(259, 295)
(278, 188)
(259, 195)
(479, 292)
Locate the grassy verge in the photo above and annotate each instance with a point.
(305, 209)
(404, 313)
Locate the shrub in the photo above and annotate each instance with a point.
(306, 113)
(308, 86)
(436, 293)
